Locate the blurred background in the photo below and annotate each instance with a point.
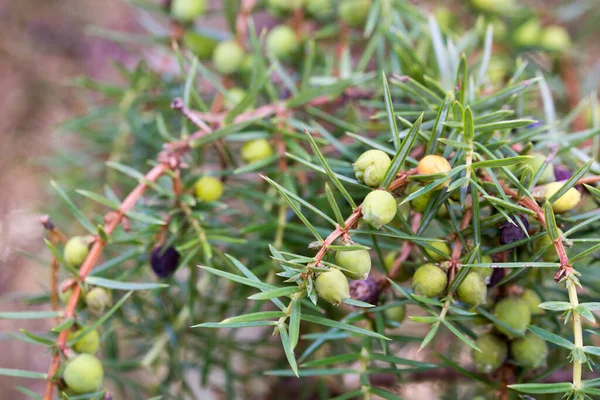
(43, 46)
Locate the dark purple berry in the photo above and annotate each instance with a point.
(510, 233)
(562, 173)
(366, 290)
(164, 261)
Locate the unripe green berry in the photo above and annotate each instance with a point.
(564, 203)
(494, 6)
(379, 208)
(472, 290)
(497, 70)
(429, 280)
(405, 273)
(371, 167)
(433, 164)
(280, 8)
(354, 12)
(395, 314)
(202, 46)
(442, 247)
(208, 188)
(234, 96)
(98, 300)
(419, 204)
(555, 38)
(89, 343)
(319, 9)
(227, 57)
(529, 351)
(500, 29)
(256, 150)
(533, 300)
(187, 10)
(76, 250)
(485, 272)
(492, 355)
(536, 162)
(528, 34)
(356, 264)
(84, 374)
(332, 286)
(514, 313)
(65, 294)
(282, 42)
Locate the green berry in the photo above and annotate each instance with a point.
(234, 96)
(65, 294)
(395, 314)
(76, 250)
(332, 286)
(187, 10)
(555, 38)
(89, 343)
(550, 254)
(494, 6)
(227, 57)
(419, 204)
(499, 28)
(371, 167)
(533, 300)
(435, 256)
(497, 70)
(354, 12)
(379, 208)
(536, 162)
(433, 164)
(529, 351)
(356, 264)
(319, 9)
(492, 355)
(247, 64)
(472, 290)
(429, 280)
(528, 34)
(202, 46)
(281, 8)
(84, 374)
(405, 272)
(564, 203)
(98, 300)
(282, 42)
(485, 272)
(256, 150)
(514, 313)
(444, 17)
(208, 189)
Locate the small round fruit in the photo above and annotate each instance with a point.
(202, 46)
(444, 17)
(89, 343)
(529, 351)
(282, 42)
(332, 286)
(98, 299)
(208, 189)
(533, 300)
(84, 374)
(405, 272)
(187, 10)
(511, 232)
(429, 280)
(492, 355)
(562, 173)
(227, 57)
(356, 264)
(256, 150)
(419, 204)
(472, 289)
(281, 8)
(234, 96)
(536, 162)
(494, 6)
(164, 262)
(514, 313)
(485, 272)
(442, 247)
(354, 12)
(498, 70)
(76, 250)
(64, 294)
(379, 208)
(319, 9)
(433, 164)
(564, 203)
(395, 314)
(555, 38)
(366, 290)
(371, 166)
(528, 34)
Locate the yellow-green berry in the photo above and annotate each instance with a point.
(371, 167)
(472, 290)
(433, 164)
(395, 314)
(208, 189)
(444, 17)
(485, 272)
(429, 280)
(356, 264)
(84, 374)
(564, 203)
(227, 57)
(64, 293)
(529, 351)
(555, 38)
(202, 46)
(282, 42)
(187, 10)
(88, 343)
(332, 286)
(280, 8)
(405, 272)
(354, 12)
(256, 150)
(441, 247)
(528, 34)
(319, 9)
(234, 96)
(379, 208)
(76, 250)
(419, 204)
(533, 300)
(536, 162)
(514, 313)
(494, 6)
(98, 300)
(492, 355)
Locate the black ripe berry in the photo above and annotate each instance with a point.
(510, 233)
(365, 290)
(164, 261)
(562, 173)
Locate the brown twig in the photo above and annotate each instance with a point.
(458, 245)
(56, 236)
